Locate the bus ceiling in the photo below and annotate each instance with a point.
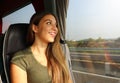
(9, 6)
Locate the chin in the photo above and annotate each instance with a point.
(52, 40)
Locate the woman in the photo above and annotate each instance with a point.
(43, 61)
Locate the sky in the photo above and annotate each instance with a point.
(93, 19)
(85, 19)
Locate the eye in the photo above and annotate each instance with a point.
(48, 22)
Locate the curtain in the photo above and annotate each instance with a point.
(61, 10)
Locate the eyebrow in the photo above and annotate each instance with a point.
(47, 20)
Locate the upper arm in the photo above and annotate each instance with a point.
(17, 74)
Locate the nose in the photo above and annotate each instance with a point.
(55, 28)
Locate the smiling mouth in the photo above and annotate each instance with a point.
(53, 34)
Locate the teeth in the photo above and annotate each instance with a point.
(52, 33)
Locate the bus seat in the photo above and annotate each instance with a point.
(14, 40)
(1, 48)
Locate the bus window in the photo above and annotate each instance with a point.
(20, 16)
(93, 37)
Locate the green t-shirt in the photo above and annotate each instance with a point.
(36, 72)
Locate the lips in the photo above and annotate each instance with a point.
(53, 34)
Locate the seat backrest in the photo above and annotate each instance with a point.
(14, 40)
(1, 43)
(1, 48)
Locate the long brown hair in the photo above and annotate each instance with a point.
(56, 65)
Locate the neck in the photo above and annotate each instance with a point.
(39, 52)
(39, 48)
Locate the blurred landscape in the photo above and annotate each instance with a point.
(96, 56)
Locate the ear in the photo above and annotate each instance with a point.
(35, 28)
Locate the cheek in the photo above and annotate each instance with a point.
(44, 29)
(43, 32)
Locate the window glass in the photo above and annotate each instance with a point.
(93, 37)
(20, 16)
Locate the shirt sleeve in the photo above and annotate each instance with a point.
(19, 60)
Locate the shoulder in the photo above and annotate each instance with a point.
(22, 58)
(22, 53)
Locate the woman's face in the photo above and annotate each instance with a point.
(46, 30)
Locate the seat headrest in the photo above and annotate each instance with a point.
(15, 38)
